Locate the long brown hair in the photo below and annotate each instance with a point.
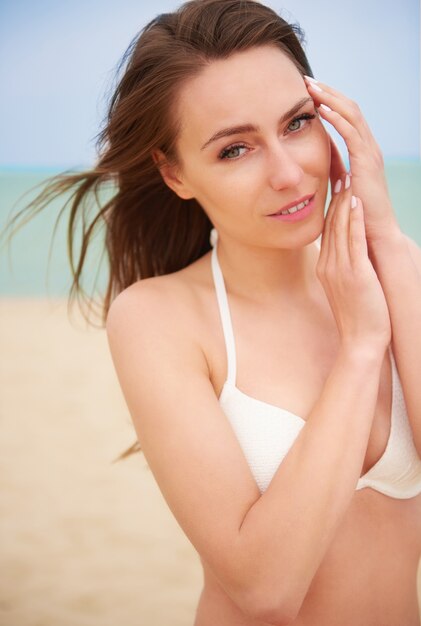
(148, 230)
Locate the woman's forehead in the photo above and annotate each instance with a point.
(230, 91)
(244, 69)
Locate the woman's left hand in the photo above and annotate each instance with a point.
(365, 160)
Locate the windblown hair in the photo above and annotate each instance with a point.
(148, 230)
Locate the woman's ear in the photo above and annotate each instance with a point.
(171, 175)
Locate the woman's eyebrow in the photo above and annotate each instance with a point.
(250, 128)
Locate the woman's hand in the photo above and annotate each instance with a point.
(354, 292)
(365, 159)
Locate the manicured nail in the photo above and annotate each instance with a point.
(313, 80)
(353, 202)
(347, 182)
(325, 107)
(338, 186)
(315, 87)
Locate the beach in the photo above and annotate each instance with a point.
(85, 541)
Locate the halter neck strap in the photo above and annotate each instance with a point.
(224, 311)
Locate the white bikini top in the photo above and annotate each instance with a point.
(266, 432)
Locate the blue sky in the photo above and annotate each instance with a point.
(57, 61)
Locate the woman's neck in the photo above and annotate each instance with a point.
(266, 274)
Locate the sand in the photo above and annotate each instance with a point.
(84, 541)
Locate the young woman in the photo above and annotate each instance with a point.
(272, 378)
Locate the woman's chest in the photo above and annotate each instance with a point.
(285, 361)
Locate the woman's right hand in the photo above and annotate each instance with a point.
(347, 275)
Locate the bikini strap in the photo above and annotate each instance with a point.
(224, 311)
(223, 306)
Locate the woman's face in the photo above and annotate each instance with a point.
(242, 177)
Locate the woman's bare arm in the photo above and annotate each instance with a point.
(288, 530)
(264, 549)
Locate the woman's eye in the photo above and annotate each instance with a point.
(300, 118)
(226, 151)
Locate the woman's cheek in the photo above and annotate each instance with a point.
(241, 171)
(317, 150)
(323, 139)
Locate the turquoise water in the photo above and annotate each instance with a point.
(24, 264)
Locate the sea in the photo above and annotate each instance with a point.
(33, 263)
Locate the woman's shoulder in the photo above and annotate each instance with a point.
(163, 314)
(175, 298)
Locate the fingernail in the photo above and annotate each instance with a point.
(324, 106)
(338, 186)
(313, 80)
(347, 182)
(315, 87)
(353, 202)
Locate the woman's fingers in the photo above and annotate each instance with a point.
(354, 141)
(335, 239)
(324, 248)
(347, 108)
(357, 237)
(344, 114)
(344, 242)
(340, 225)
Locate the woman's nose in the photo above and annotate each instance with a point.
(283, 168)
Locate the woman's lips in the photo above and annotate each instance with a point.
(299, 215)
(292, 204)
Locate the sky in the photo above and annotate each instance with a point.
(58, 61)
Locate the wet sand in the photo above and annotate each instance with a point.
(84, 541)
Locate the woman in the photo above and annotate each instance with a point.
(281, 422)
